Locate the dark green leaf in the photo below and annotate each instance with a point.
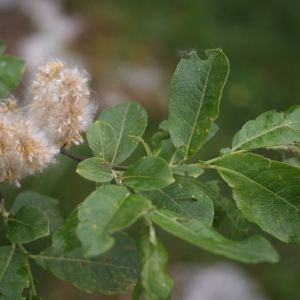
(196, 89)
(107, 210)
(47, 204)
(34, 298)
(126, 119)
(102, 140)
(13, 273)
(11, 70)
(169, 152)
(187, 170)
(269, 129)
(30, 223)
(226, 207)
(94, 169)
(184, 197)
(65, 238)
(114, 272)
(148, 173)
(255, 249)
(154, 282)
(266, 191)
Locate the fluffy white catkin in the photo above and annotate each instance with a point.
(60, 102)
(23, 148)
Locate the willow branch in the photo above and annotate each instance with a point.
(79, 158)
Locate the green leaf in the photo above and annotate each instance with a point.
(148, 173)
(93, 169)
(184, 197)
(102, 140)
(154, 282)
(255, 249)
(30, 223)
(2, 46)
(266, 191)
(49, 205)
(105, 211)
(213, 130)
(11, 70)
(114, 272)
(196, 89)
(126, 119)
(13, 273)
(147, 148)
(164, 125)
(34, 298)
(169, 152)
(226, 207)
(269, 129)
(65, 237)
(187, 170)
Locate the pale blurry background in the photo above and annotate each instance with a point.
(131, 49)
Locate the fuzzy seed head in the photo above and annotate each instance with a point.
(60, 103)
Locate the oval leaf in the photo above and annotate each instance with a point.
(14, 275)
(184, 197)
(269, 129)
(11, 70)
(102, 140)
(29, 224)
(154, 282)
(255, 249)
(93, 169)
(266, 191)
(126, 119)
(105, 211)
(195, 94)
(47, 204)
(114, 272)
(148, 173)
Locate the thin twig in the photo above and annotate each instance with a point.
(81, 158)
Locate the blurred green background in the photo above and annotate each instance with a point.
(131, 49)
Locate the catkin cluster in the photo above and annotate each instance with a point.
(58, 111)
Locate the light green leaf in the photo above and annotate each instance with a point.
(269, 129)
(47, 204)
(154, 282)
(147, 148)
(184, 197)
(114, 272)
(213, 130)
(148, 173)
(164, 125)
(267, 192)
(94, 169)
(255, 249)
(126, 119)
(196, 90)
(11, 70)
(102, 140)
(187, 170)
(30, 223)
(13, 273)
(105, 211)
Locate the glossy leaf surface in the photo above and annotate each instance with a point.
(94, 169)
